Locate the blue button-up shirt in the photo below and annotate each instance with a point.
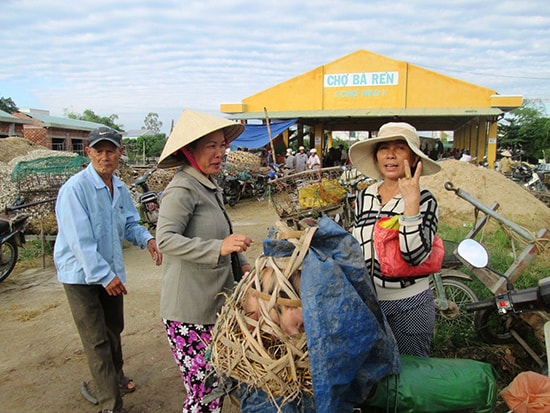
(91, 228)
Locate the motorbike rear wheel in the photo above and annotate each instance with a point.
(8, 258)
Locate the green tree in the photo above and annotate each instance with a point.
(148, 146)
(8, 105)
(90, 116)
(152, 123)
(526, 130)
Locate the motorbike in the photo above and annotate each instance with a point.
(12, 235)
(231, 188)
(535, 183)
(499, 316)
(147, 201)
(522, 173)
(532, 179)
(244, 184)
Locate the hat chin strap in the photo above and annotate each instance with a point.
(190, 158)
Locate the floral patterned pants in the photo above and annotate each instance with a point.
(189, 343)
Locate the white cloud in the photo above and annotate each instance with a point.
(134, 57)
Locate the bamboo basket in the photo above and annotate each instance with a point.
(237, 161)
(249, 342)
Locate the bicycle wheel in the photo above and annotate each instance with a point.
(8, 258)
(455, 317)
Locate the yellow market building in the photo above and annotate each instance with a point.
(363, 90)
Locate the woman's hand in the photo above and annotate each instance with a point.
(409, 187)
(235, 243)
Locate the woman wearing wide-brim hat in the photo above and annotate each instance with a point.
(395, 159)
(194, 233)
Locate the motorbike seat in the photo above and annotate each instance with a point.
(4, 226)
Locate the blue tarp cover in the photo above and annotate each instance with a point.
(350, 345)
(257, 136)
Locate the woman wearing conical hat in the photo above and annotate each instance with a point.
(195, 235)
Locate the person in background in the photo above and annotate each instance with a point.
(195, 235)
(455, 153)
(313, 161)
(290, 161)
(466, 157)
(395, 159)
(343, 155)
(331, 158)
(95, 213)
(505, 164)
(269, 158)
(301, 159)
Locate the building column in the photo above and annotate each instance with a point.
(492, 144)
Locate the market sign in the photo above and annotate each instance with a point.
(361, 79)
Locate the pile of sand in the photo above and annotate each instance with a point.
(487, 186)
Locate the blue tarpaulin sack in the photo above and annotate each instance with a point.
(351, 346)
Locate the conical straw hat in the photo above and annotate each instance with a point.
(192, 126)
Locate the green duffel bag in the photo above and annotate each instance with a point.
(433, 385)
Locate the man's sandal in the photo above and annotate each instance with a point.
(126, 385)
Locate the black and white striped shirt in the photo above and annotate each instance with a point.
(415, 237)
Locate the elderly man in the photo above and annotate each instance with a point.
(301, 159)
(95, 213)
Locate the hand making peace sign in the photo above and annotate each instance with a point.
(409, 187)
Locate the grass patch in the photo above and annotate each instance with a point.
(33, 249)
(503, 252)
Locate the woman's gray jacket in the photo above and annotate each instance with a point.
(190, 231)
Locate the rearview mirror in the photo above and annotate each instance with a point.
(473, 252)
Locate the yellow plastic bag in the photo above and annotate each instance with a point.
(321, 194)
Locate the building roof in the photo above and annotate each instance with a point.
(49, 121)
(363, 90)
(372, 119)
(9, 118)
(136, 133)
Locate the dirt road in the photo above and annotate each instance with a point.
(41, 361)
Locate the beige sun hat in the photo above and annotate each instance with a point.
(362, 155)
(192, 126)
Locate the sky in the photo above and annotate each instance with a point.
(134, 57)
